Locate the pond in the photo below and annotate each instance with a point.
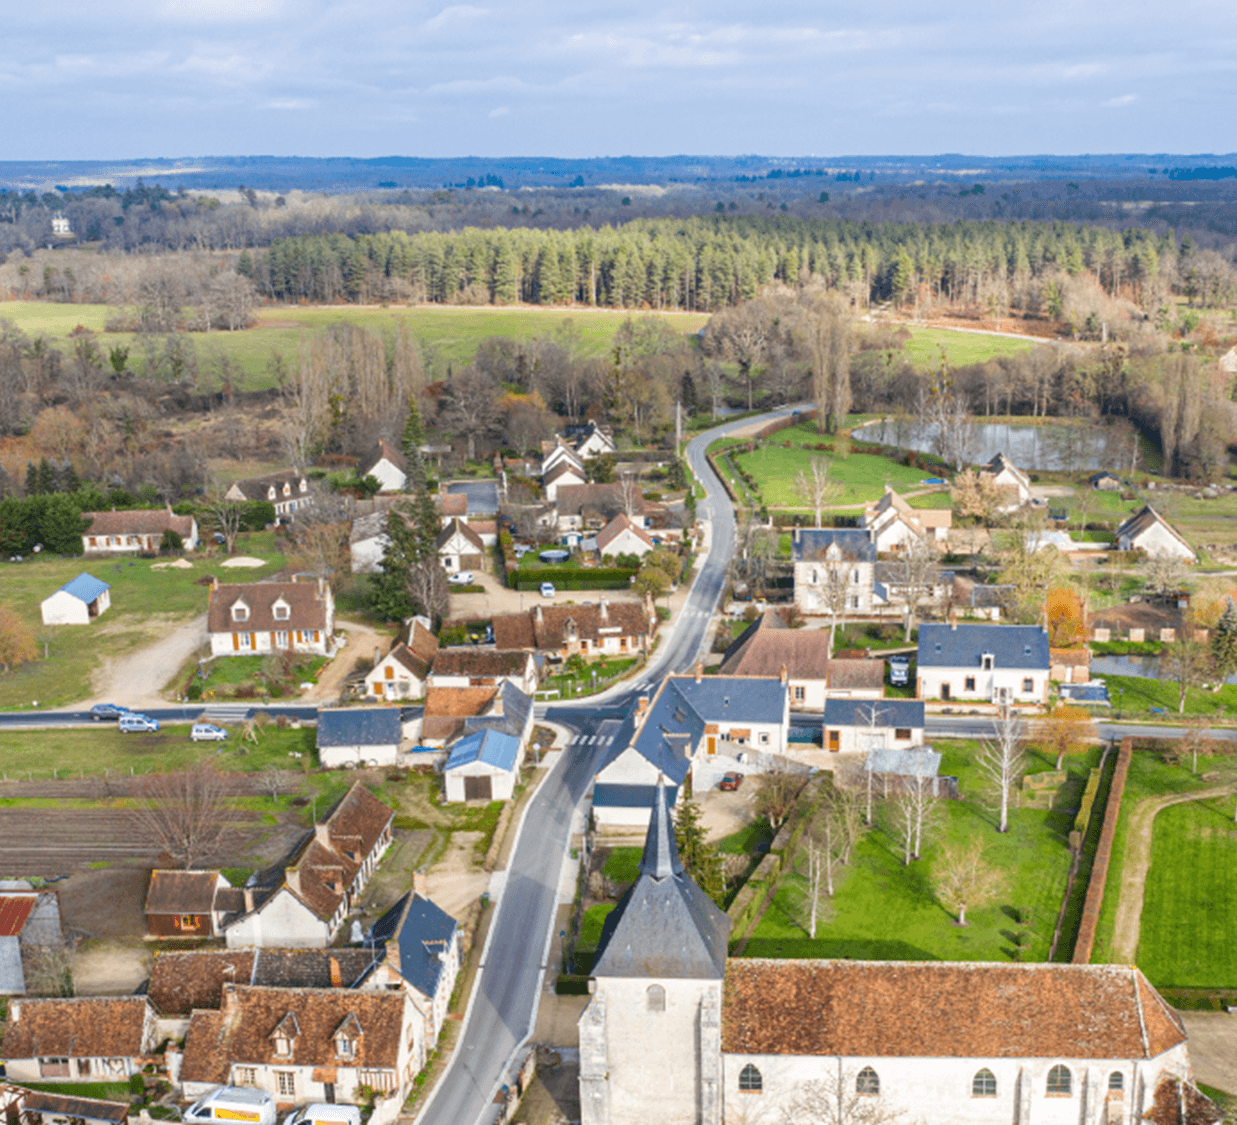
(1148, 667)
(1054, 447)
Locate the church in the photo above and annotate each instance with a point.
(675, 1033)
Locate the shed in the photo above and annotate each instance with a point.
(359, 736)
(1105, 481)
(78, 602)
(483, 766)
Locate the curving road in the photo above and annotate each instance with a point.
(503, 1009)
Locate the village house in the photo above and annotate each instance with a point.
(565, 472)
(29, 923)
(77, 602)
(452, 506)
(894, 524)
(471, 666)
(676, 1031)
(833, 570)
(610, 628)
(404, 671)
(872, 724)
(484, 766)
(1002, 664)
(306, 1045)
(86, 1039)
(694, 724)
(557, 452)
(134, 532)
(1013, 485)
(1151, 533)
(189, 904)
(451, 712)
(368, 542)
(589, 440)
(582, 506)
(767, 647)
(352, 737)
(302, 902)
(460, 547)
(259, 617)
(622, 536)
(287, 490)
(387, 465)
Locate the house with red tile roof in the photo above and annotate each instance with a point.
(85, 1039)
(136, 531)
(29, 922)
(387, 465)
(188, 903)
(250, 618)
(623, 536)
(403, 672)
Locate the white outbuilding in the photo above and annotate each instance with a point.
(483, 766)
(352, 737)
(78, 602)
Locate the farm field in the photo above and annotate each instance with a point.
(1190, 909)
(924, 347)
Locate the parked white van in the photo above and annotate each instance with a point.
(322, 1114)
(234, 1103)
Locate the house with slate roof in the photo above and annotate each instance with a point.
(872, 724)
(895, 525)
(1151, 533)
(135, 531)
(994, 663)
(404, 672)
(288, 490)
(86, 1039)
(589, 440)
(189, 903)
(675, 1031)
(368, 542)
(77, 602)
(1013, 485)
(833, 566)
(483, 766)
(695, 724)
(350, 737)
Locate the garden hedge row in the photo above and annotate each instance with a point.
(590, 578)
(1085, 941)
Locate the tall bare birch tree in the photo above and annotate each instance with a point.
(1003, 759)
(814, 487)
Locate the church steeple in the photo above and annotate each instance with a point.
(661, 853)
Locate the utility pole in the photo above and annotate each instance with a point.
(678, 428)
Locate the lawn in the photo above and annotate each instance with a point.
(449, 336)
(608, 668)
(1190, 909)
(961, 348)
(862, 476)
(884, 910)
(233, 677)
(145, 602)
(1135, 696)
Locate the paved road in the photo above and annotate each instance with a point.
(189, 713)
(503, 1010)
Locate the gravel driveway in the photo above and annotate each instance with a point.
(138, 680)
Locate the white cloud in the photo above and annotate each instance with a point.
(455, 14)
(289, 103)
(501, 111)
(1124, 99)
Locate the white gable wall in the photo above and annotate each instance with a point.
(390, 476)
(283, 920)
(1158, 540)
(502, 782)
(62, 608)
(367, 554)
(627, 542)
(337, 757)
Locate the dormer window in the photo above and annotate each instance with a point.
(987, 661)
(271, 493)
(287, 489)
(282, 611)
(284, 1036)
(346, 1037)
(283, 1046)
(240, 612)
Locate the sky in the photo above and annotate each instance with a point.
(106, 79)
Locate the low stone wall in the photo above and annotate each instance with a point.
(1085, 941)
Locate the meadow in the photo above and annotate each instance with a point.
(961, 349)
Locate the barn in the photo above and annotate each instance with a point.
(483, 767)
(78, 602)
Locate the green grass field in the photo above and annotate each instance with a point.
(449, 336)
(961, 348)
(1137, 695)
(884, 910)
(1190, 909)
(145, 602)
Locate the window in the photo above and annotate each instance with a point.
(1028, 685)
(344, 1047)
(285, 1083)
(902, 734)
(987, 665)
(283, 1046)
(1060, 1082)
(188, 922)
(750, 1081)
(868, 1082)
(764, 738)
(281, 611)
(655, 998)
(244, 1076)
(240, 613)
(1116, 1081)
(854, 602)
(854, 577)
(800, 693)
(983, 1085)
(54, 1068)
(281, 639)
(970, 683)
(815, 578)
(246, 640)
(83, 1068)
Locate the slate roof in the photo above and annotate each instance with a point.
(616, 527)
(138, 521)
(414, 932)
(84, 1027)
(509, 715)
(889, 712)
(256, 488)
(607, 795)
(470, 660)
(85, 587)
(368, 527)
(12, 975)
(359, 726)
(306, 607)
(458, 527)
(1144, 520)
(963, 646)
(181, 892)
(241, 1031)
(548, 626)
(665, 926)
(489, 746)
(1000, 464)
(812, 543)
(960, 1010)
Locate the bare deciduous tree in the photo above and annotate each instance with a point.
(814, 486)
(915, 570)
(840, 1097)
(224, 516)
(776, 794)
(274, 781)
(1003, 759)
(911, 813)
(825, 325)
(184, 814)
(963, 880)
(1162, 573)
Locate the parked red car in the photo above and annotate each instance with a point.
(731, 781)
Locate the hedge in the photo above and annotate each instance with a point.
(582, 578)
(1088, 802)
(1085, 941)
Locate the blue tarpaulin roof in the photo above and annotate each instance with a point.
(85, 587)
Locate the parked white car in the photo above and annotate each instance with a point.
(461, 578)
(207, 732)
(319, 1113)
(132, 723)
(547, 590)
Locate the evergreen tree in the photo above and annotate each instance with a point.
(702, 861)
(61, 527)
(32, 479)
(68, 480)
(45, 478)
(687, 393)
(410, 442)
(389, 594)
(1224, 644)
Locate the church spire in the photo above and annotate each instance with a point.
(661, 853)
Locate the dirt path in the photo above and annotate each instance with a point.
(362, 640)
(1134, 868)
(138, 680)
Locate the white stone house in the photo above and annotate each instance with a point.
(1014, 485)
(287, 490)
(555, 453)
(460, 548)
(622, 536)
(137, 531)
(350, 737)
(1151, 533)
(404, 671)
(833, 568)
(483, 766)
(992, 663)
(387, 466)
(872, 724)
(564, 472)
(894, 524)
(368, 542)
(472, 666)
(77, 602)
(86, 1039)
(260, 617)
(590, 440)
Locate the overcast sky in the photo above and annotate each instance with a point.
(106, 79)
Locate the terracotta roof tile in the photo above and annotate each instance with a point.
(459, 527)
(473, 661)
(453, 504)
(545, 626)
(594, 501)
(457, 702)
(306, 607)
(616, 527)
(80, 1028)
(856, 675)
(181, 892)
(142, 521)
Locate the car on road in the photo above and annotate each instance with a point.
(461, 578)
(899, 670)
(547, 590)
(207, 732)
(134, 723)
(730, 782)
(101, 711)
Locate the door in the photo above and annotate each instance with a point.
(835, 741)
(944, 691)
(478, 788)
(712, 744)
(328, 1092)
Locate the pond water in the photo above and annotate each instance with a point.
(1054, 447)
(1148, 667)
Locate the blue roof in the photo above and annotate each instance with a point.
(854, 543)
(1094, 692)
(362, 726)
(516, 707)
(85, 587)
(419, 931)
(964, 646)
(489, 746)
(889, 712)
(608, 796)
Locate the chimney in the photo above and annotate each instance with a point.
(699, 671)
(796, 535)
(321, 588)
(642, 704)
(419, 887)
(249, 902)
(337, 976)
(214, 584)
(322, 833)
(293, 878)
(538, 616)
(377, 655)
(605, 612)
(785, 675)
(14, 1011)
(953, 622)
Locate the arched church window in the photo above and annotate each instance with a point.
(1116, 1081)
(750, 1081)
(655, 998)
(1060, 1081)
(868, 1082)
(983, 1085)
